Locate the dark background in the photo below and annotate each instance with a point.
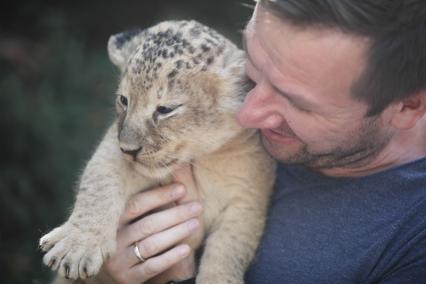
(56, 99)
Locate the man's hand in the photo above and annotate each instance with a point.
(156, 234)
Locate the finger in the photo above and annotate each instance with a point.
(185, 176)
(160, 242)
(155, 265)
(157, 222)
(146, 201)
(155, 244)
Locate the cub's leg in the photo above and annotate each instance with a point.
(231, 246)
(78, 248)
(237, 192)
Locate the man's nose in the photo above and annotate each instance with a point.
(260, 109)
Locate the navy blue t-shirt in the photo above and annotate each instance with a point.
(368, 229)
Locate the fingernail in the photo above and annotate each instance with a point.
(195, 208)
(183, 250)
(193, 224)
(178, 191)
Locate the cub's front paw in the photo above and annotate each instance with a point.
(75, 253)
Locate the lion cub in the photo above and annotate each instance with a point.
(181, 85)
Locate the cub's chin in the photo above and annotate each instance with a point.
(154, 168)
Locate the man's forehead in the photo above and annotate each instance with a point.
(304, 60)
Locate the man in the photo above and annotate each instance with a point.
(340, 99)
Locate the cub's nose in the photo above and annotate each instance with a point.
(131, 152)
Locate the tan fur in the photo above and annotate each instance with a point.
(231, 169)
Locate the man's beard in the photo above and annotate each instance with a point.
(358, 149)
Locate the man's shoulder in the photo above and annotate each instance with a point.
(351, 230)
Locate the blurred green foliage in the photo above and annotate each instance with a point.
(56, 99)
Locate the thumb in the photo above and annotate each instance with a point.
(185, 176)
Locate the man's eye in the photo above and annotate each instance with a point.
(299, 108)
(164, 110)
(250, 84)
(123, 100)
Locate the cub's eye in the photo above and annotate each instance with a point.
(123, 100)
(164, 110)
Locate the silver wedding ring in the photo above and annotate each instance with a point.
(137, 252)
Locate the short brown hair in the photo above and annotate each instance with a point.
(396, 63)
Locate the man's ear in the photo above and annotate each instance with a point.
(409, 111)
(122, 45)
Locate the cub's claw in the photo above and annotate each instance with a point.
(75, 254)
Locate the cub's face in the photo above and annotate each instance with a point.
(175, 108)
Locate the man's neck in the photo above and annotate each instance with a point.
(406, 146)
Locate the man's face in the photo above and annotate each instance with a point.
(301, 101)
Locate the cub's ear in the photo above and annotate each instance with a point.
(233, 61)
(234, 69)
(122, 45)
